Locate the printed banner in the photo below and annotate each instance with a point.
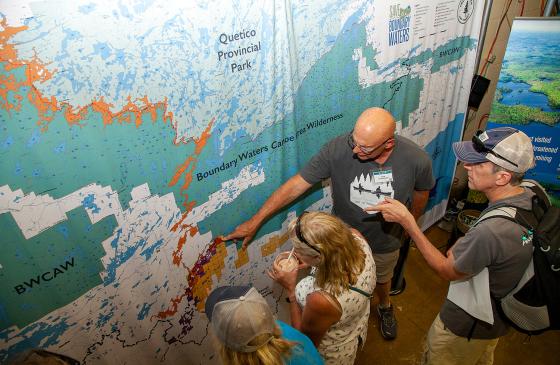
(528, 95)
(133, 135)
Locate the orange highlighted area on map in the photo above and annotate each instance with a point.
(36, 71)
(16, 89)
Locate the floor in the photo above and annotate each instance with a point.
(416, 308)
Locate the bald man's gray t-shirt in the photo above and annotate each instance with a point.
(354, 181)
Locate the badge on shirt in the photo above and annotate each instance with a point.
(382, 176)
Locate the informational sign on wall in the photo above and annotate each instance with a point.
(133, 135)
(528, 94)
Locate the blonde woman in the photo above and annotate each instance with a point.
(247, 333)
(331, 306)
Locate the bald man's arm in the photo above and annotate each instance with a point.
(283, 196)
(419, 201)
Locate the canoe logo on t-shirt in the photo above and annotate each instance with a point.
(366, 191)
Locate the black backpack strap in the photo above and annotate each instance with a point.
(503, 211)
(539, 191)
(527, 218)
(363, 292)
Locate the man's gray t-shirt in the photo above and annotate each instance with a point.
(351, 179)
(497, 244)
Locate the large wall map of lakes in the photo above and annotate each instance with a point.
(128, 148)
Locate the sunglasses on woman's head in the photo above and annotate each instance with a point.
(299, 235)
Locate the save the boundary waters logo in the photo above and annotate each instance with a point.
(399, 24)
(465, 10)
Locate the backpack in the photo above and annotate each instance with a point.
(533, 306)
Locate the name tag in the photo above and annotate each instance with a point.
(382, 176)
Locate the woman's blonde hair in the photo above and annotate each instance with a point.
(273, 352)
(341, 259)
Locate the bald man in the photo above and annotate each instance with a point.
(364, 166)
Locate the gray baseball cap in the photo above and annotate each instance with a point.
(507, 147)
(238, 314)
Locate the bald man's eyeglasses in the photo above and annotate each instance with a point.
(364, 149)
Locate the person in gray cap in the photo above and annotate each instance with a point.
(247, 333)
(488, 261)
